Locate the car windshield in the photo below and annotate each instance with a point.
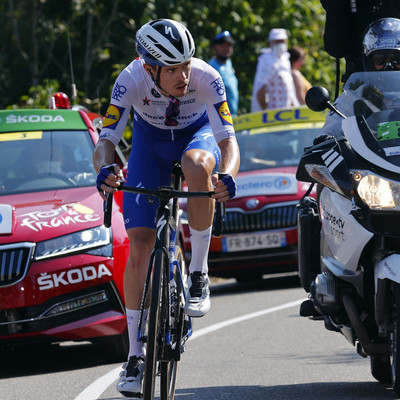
(45, 160)
(268, 147)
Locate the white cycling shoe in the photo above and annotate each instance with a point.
(130, 382)
(198, 296)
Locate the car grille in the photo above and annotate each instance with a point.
(14, 262)
(270, 217)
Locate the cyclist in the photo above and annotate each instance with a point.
(180, 113)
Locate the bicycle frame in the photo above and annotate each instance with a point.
(164, 270)
(166, 233)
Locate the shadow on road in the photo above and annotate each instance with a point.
(314, 391)
(220, 287)
(38, 360)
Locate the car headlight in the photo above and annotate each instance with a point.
(96, 241)
(376, 192)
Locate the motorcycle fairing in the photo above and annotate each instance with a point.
(329, 154)
(340, 230)
(389, 268)
(312, 155)
(340, 271)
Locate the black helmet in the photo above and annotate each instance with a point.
(381, 36)
(164, 42)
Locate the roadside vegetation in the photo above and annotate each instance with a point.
(37, 36)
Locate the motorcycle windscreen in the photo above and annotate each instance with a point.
(375, 99)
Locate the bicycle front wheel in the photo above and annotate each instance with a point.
(169, 366)
(154, 325)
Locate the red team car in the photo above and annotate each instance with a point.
(260, 231)
(60, 268)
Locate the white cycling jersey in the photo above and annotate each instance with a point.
(135, 88)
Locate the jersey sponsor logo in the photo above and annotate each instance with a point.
(113, 115)
(219, 86)
(190, 101)
(118, 91)
(146, 101)
(224, 113)
(155, 93)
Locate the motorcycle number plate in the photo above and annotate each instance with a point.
(253, 241)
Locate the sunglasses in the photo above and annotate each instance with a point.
(172, 112)
(383, 59)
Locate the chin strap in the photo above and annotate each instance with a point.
(157, 80)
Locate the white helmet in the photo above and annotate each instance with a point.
(164, 42)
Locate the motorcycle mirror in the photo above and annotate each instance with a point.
(317, 99)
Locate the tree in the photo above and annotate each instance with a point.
(101, 35)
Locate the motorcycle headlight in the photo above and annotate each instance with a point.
(376, 192)
(96, 241)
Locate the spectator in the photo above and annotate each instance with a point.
(301, 84)
(222, 47)
(273, 83)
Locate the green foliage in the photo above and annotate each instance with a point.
(101, 34)
(38, 96)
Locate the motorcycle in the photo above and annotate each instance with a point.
(353, 276)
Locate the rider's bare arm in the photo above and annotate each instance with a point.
(230, 160)
(103, 155)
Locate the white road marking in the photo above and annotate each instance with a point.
(96, 389)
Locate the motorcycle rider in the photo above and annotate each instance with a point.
(381, 52)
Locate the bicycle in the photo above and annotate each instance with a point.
(168, 327)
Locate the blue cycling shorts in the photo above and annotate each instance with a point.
(150, 165)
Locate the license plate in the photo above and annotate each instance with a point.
(253, 241)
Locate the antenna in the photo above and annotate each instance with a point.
(98, 100)
(72, 70)
(52, 100)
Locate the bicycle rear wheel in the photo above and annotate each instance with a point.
(169, 365)
(154, 325)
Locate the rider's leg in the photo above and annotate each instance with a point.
(198, 166)
(141, 242)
